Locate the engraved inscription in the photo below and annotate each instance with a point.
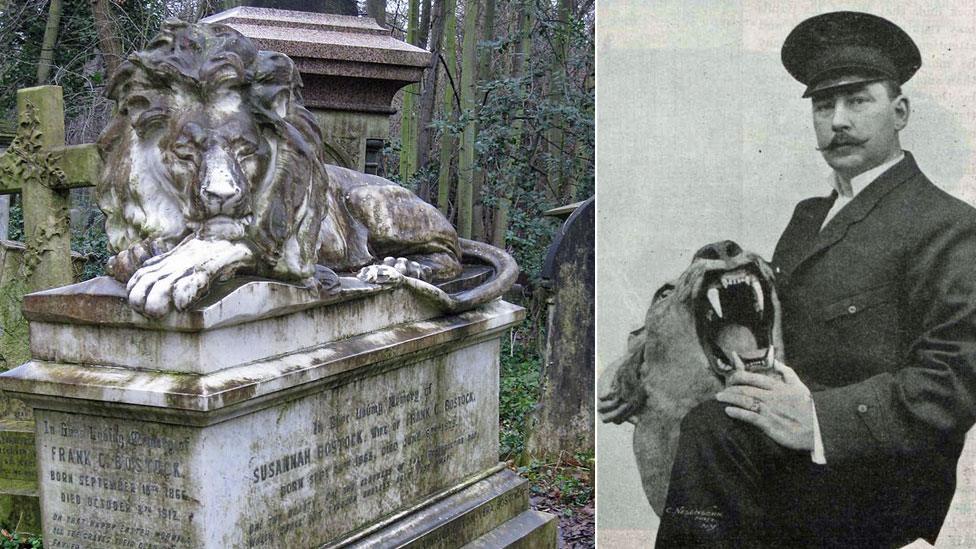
(113, 483)
(377, 445)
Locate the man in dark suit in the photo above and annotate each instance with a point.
(857, 444)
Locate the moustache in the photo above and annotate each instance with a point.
(841, 140)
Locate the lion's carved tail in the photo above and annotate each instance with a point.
(506, 271)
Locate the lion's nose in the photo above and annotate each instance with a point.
(220, 187)
(723, 250)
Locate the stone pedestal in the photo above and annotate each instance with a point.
(270, 416)
(351, 68)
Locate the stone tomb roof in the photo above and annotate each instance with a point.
(347, 63)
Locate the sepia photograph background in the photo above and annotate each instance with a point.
(702, 135)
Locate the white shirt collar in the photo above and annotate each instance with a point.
(849, 189)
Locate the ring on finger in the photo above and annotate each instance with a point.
(756, 405)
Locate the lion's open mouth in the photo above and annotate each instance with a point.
(735, 314)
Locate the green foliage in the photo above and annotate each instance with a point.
(516, 111)
(77, 66)
(15, 227)
(93, 244)
(424, 176)
(17, 540)
(530, 234)
(521, 368)
(90, 242)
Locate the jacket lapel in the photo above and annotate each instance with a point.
(802, 231)
(857, 209)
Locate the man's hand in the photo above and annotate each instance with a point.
(781, 408)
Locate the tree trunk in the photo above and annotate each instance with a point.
(450, 74)
(469, 77)
(519, 61)
(484, 74)
(408, 115)
(487, 33)
(50, 39)
(424, 28)
(108, 36)
(428, 93)
(584, 149)
(557, 84)
(377, 10)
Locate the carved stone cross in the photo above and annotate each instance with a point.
(40, 167)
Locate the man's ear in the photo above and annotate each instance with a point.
(903, 110)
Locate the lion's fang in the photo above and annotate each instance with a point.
(757, 291)
(770, 356)
(715, 301)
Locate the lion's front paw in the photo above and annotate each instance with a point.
(180, 277)
(171, 282)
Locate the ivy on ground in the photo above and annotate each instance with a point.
(17, 540)
(521, 367)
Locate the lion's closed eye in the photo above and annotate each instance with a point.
(149, 121)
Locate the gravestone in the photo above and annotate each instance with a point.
(235, 382)
(563, 423)
(19, 506)
(351, 68)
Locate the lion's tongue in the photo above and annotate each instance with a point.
(738, 338)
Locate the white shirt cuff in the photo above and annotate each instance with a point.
(817, 454)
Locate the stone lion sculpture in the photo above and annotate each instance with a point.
(213, 167)
(722, 313)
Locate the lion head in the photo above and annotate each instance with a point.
(724, 305)
(209, 139)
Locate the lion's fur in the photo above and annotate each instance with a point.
(300, 212)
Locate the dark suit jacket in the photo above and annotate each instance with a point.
(880, 321)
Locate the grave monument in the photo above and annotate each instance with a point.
(286, 353)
